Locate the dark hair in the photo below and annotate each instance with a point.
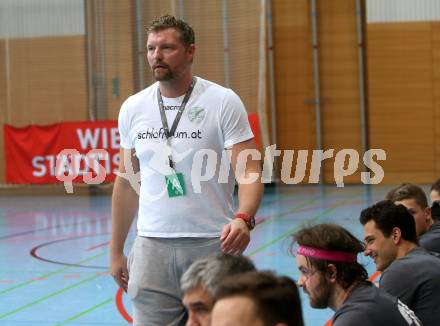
(276, 298)
(408, 191)
(388, 216)
(333, 237)
(436, 186)
(168, 21)
(389, 195)
(435, 210)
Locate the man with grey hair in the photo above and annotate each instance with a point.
(200, 282)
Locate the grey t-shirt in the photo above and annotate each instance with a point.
(431, 239)
(368, 305)
(415, 280)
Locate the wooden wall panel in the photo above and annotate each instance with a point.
(47, 80)
(3, 105)
(339, 77)
(435, 34)
(293, 76)
(208, 29)
(3, 78)
(244, 50)
(46, 83)
(338, 64)
(401, 110)
(120, 42)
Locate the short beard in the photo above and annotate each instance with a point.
(321, 301)
(167, 77)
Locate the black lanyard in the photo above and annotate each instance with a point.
(170, 133)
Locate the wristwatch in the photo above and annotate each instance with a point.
(247, 218)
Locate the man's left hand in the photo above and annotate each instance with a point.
(235, 237)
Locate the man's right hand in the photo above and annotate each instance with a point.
(118, 269)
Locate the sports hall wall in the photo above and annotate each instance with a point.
(403, 62)
(86, 71)
(401, 50)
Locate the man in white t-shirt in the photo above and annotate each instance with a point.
(179, 137)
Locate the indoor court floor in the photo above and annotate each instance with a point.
(54, 251)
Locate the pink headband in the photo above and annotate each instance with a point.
(347, 257)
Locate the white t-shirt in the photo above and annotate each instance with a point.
(214, 119)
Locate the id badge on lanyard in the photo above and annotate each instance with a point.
(175, 181)
(175, 184)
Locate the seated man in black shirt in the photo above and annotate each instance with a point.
(435, 191)
(415, 200)
(331, 276)
(435, 211)
(409, 272)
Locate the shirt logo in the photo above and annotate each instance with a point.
(196, 114)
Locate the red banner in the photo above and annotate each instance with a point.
(70, 151)
(83, 150)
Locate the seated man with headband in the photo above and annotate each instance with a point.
(331, 277)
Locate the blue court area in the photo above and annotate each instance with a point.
(54, 251)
